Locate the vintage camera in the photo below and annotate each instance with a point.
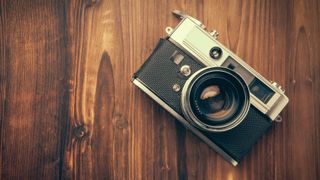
(210, 90)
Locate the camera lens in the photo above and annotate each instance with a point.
(215, 99)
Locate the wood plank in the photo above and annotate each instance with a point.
(302, 146)
(98, 138)
(33, 89)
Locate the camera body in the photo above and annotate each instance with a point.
(191, 64)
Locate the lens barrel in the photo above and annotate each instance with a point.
(215, 99)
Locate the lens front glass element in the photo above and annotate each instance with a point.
(216, 101)
(218, 98)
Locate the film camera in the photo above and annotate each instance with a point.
(210, 90)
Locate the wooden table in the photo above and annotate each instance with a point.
(69, 110)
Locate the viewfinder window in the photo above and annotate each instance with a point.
(260, 90)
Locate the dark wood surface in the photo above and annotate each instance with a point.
(68, 109)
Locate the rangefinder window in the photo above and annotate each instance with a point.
(260, 90)
(177, 57)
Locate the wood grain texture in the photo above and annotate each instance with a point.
(69, 111)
